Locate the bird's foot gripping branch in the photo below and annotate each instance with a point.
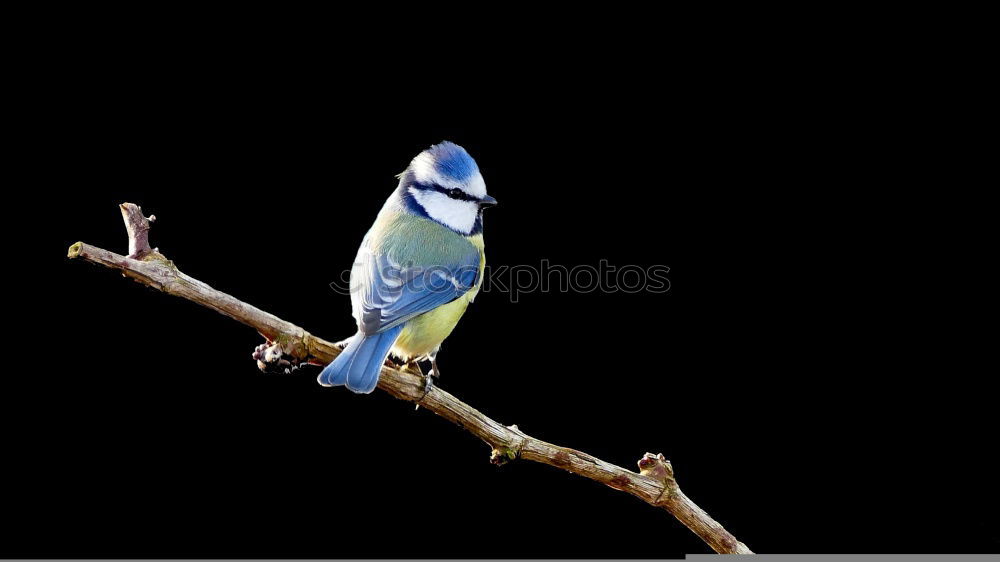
(289, 346)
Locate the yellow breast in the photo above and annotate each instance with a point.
(423, 335)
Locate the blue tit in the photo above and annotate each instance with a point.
(418, 268)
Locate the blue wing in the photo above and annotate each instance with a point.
(387, 294)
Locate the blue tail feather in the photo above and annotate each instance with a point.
(359, 365)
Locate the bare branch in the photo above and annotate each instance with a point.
(654, 484)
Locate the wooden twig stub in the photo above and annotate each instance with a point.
(138, 230)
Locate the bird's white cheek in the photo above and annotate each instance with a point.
(457, 215)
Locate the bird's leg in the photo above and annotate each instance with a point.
(435, 372)
(428, 380)
(412, 366)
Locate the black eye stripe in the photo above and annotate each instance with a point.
(455, 193)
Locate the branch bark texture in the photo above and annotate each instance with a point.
(289, 345)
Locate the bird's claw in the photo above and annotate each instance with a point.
(428, 381)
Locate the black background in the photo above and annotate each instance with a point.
(787, 373)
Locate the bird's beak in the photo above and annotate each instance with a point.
(487, 201)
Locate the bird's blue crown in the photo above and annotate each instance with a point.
(453, 161)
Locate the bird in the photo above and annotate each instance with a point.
(418, 268)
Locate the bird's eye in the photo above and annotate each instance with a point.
(456, 193)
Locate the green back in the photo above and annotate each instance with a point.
(418, 240)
